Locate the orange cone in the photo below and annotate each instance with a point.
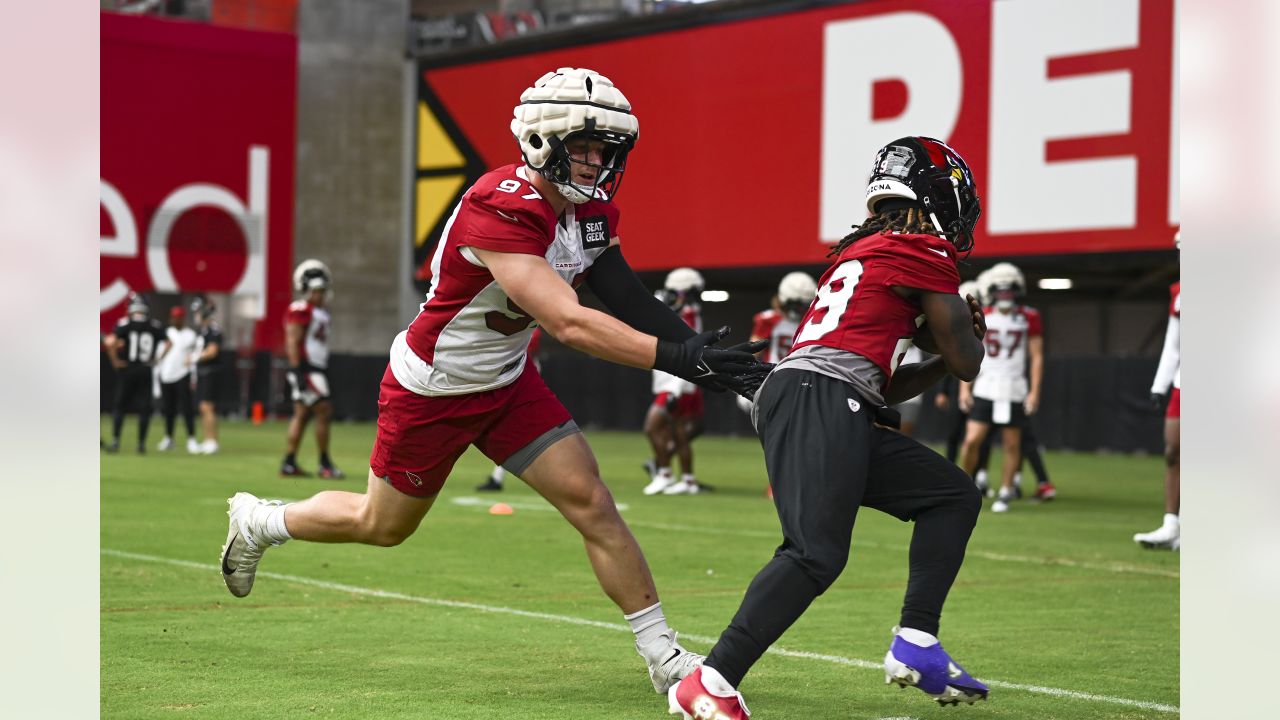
(257, 413)
(501, 509)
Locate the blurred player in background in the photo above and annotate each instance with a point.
(947, 396)
(208, 371)
(306, 343)
(826, 455)
(132, 349)
(174, 375)
(498, 475)
(1000, 395)
(674, 418)
(1169, 375)
(778, 324)
(518, 243)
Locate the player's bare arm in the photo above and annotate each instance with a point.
(1035, 350)
(955, 327)
(531, 283)
(293, 335)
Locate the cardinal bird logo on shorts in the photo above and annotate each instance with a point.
(417, 481)
(854, 405)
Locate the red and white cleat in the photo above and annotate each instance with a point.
(691, 699)
(1046, 491)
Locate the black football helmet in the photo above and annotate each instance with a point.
(137, 305)
(929, 172)
(202, 309)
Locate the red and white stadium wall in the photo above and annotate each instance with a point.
(756, 133)
(197, 169)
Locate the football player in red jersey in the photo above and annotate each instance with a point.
(1166, 396)
(893, 279)
(674, 418)
(515, 247)
(1001, 395)
(307, 333)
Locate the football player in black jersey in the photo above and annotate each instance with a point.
(208, 371)
(133, 348)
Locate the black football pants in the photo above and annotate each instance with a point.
(133, 390)
(825, 459)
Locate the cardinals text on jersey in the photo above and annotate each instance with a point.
(857, 310)
(1003, 375)
(315, 339)
(469, 336)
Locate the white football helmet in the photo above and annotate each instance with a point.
(683, 286)
(311, 274)
(796, 293)
(971, 287)
(1004, 285)
(575, 101)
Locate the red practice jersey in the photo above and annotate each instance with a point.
(856, 309)
(778, 330)
(315, 337)
(469, 336)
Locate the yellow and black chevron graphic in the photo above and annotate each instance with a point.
(445, 166)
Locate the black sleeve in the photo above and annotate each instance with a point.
(616, 284)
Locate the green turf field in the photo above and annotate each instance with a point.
(483, 616)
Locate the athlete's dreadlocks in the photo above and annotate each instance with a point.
(908, 220)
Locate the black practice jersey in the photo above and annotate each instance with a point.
(210, 334)
(140, 340)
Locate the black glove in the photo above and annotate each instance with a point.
(735, 368)
(1158, 401)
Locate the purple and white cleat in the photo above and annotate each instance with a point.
(932, 670)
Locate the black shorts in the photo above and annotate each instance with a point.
(207, 385)
(133, 389)
(1004, 413)
(826, 457)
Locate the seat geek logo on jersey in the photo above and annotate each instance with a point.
(595, 232)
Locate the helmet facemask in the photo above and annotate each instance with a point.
(574, 104)
(928, 172)
(559, 170)
(1006, 296)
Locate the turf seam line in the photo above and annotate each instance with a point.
(569, 619)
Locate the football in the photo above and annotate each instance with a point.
(923, 339)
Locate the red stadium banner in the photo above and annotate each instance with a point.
(756, 134)
(197, 168)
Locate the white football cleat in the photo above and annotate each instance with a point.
(1162, 538)
(165, 444)
(1002, 501)
(243, 550)
(672, 668)
(684, 487)
(659, 484)
(193, 446)
(980, 479)
(209, 447)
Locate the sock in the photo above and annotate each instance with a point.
(290, 459)
(649, 625)
(917, 637)
(715, 682)
(498, 474)
(324, 460)
(664, 472)
(1171, 520)
(273, 528)
(689, 478)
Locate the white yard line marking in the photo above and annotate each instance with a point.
(570, 620)
(998, 557)
(541, 506)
